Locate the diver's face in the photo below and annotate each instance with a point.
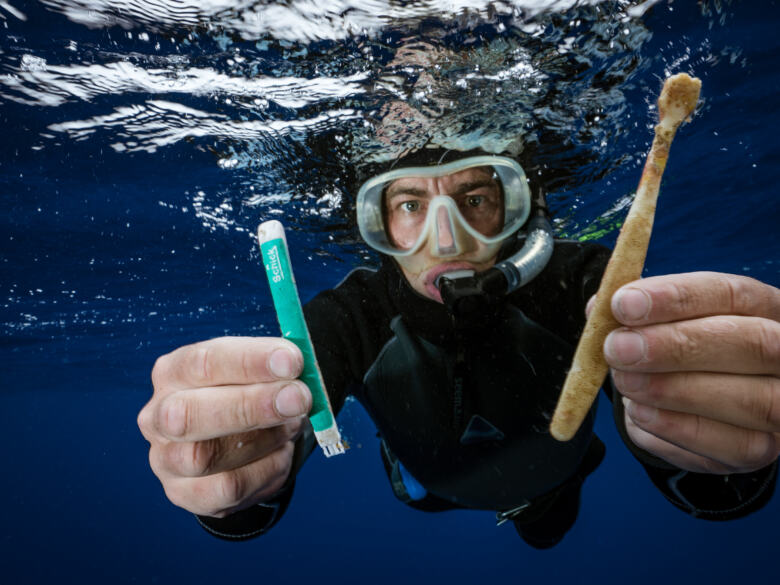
(447, 245)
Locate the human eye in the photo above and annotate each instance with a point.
(410, 206)
(475, 200)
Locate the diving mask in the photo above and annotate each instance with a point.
(483, 197)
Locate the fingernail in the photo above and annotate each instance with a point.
(641, 413)
(292, 401)
(625, 347)
(283, 363)
(631, 304)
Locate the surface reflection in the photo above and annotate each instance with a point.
(263, 83)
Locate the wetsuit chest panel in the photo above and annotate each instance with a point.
(423, 397)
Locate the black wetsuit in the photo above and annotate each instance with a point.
(469, 420)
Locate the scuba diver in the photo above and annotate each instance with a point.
(473, 377)
(457, 346)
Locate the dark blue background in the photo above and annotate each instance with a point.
(124, 276)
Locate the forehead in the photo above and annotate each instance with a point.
(475, 174)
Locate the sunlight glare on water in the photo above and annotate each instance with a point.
(254, 80)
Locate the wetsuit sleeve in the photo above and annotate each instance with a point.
(251, 522)
(703, 495)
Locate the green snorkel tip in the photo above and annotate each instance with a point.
(278, 269)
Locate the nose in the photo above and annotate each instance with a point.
(445, 234)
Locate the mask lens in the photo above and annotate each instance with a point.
(484, 197)
(477, 193)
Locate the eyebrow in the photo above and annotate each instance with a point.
(473, 185)
(393, 191)
(462, 188)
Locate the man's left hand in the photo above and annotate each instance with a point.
(698, 367)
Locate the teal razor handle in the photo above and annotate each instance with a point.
(278, 269)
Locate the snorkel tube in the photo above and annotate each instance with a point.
(466, 293)
(536, 252)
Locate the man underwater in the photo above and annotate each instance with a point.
(461, 391)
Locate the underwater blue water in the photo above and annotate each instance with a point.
(111, 257)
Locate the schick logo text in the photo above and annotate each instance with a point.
(276, 268)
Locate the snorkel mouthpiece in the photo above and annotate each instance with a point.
(466, 296)
(467, 293)
(455, 274)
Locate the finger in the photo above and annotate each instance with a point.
(751, 402)
(202, 458)
(224, 493)
(740, 450)
(672, 453)
(227, 360)
(675, 297)
(208, 413)
(145, 421)
(741, 345)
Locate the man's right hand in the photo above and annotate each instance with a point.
(223, 421)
